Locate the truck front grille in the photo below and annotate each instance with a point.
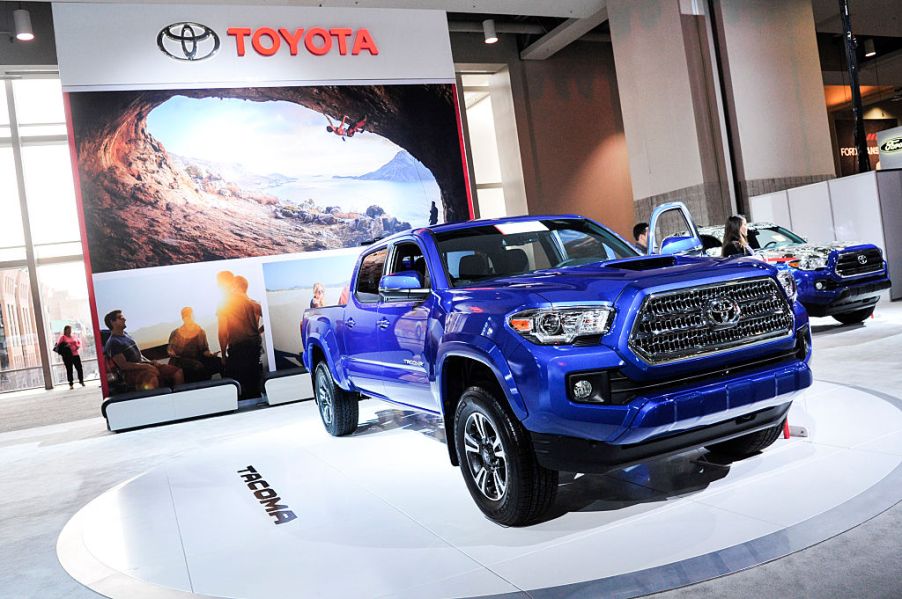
(704, 320)
(863, 262)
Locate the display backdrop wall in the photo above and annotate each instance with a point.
(218, 148)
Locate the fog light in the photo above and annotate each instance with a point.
(582, 389)
(819, 285)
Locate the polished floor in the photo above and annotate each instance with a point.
(55, 476)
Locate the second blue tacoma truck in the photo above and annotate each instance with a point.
(548, 344)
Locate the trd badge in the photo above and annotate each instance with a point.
(188, 41)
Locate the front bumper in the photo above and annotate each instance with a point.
(582, 455)
(841, 299)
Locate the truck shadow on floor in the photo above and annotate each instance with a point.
(832, 328)
(429, 425)
(656, 481)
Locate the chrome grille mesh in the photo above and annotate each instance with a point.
(853, 264)
(678, 324)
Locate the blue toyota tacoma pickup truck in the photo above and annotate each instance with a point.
(837, 279)
(546, 344)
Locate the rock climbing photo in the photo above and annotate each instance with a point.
(182, 176)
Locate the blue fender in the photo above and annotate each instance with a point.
(328, 344)
(484, 351)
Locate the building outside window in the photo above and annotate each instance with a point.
(48, 255)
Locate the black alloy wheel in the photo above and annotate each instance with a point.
(498, 462)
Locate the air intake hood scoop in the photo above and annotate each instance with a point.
(639, 264)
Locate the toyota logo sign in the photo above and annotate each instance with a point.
(723, 312)
(188, 41)
(862, 259)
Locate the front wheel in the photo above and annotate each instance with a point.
(750, 444)
(337, 408)
(854, 317)
(498, 463)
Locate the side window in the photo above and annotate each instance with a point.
(409, 257)
(367, 284)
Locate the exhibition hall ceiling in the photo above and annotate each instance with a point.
(566, 9)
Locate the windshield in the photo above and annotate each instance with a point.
(506, 249)
(772, 237)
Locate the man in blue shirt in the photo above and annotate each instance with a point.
(139, 372)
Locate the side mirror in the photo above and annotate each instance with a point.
(404, 285)
(681, 245)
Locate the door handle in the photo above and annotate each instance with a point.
(350, 322)
(383, 323)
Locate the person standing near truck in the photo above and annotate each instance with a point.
(735, 238)
(640, 235)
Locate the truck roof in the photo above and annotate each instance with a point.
(467, 224)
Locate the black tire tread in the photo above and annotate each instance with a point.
(749, 444)
(538, 485)
(345, 408)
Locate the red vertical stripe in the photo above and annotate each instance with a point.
(463, 153)
(82, 226)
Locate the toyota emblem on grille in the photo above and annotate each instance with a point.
(723, 312)
(862, 259)
(188, 41)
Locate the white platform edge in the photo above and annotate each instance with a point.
(285, 389)
(78, 561)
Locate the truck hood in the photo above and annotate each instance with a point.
(606, 281)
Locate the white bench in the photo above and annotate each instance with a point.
(144, 408)
(285, 386)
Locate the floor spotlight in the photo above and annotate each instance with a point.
(488, 30)
(22, 22)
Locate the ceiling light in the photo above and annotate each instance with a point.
(22, 21)
(869, 49)
(488, 30)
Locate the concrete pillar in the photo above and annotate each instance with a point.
(669, 101)
(718, 108)
(775, 94)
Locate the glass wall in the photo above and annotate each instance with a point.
(44, 193)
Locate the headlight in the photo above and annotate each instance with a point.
(811, 262)
(562, 325)
(788, 283)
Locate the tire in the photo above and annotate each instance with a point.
(854, 317)
(747, 445)
(337, 408)
(514, 489)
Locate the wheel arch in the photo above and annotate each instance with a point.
(318, 351)
(464, 367)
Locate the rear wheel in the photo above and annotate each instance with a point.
(854, 317)
(748, 444)
(498, 463)
(337, 408)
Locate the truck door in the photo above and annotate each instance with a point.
(403, 328)
(363, 363)
(671, 230)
